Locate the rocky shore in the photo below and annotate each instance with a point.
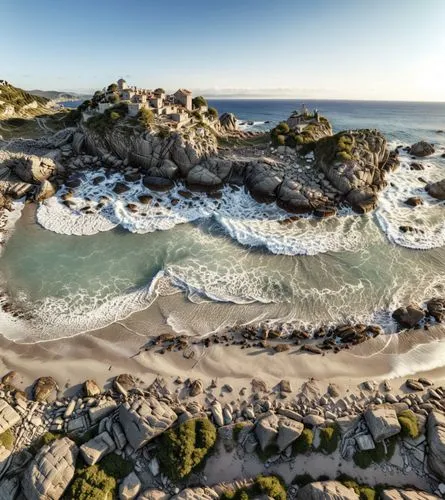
(126, 440)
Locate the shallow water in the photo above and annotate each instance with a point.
(213, 263)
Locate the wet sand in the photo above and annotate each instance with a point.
(118, 348)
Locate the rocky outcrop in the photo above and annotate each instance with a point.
(421, 149)
(44, 191)
(144, 420)
(50, 472)
(409, 316)
(262, 180)
(32, 169)
(281, 431)
(354, 162)
(43, 388)
(154, 494)
(228, 122)
(437, 189)
(436, 443)
(436, 308)
(326, 490)
(393, 494)
(382, 422)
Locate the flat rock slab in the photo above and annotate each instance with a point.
(382, 422)
(95, 449)
(8, 416)
(144, 420)
(49, 474)
(436, 443)
(326, 490)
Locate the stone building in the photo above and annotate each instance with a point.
(122, 84)
(184, 97)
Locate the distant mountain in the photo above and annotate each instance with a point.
(57, 95)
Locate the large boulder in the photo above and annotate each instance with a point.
(290, 197)
(33, 169)
(157, 183)
(393, 494)
(200, 178)
(95, 449)
(436, 308)
(263, 181)
(130, 487)
(326, 490)
(436, 443)
(288, 431)
(421, 149)
(45, 191)
(228, 122)
(52, 469)
(266, 430)
(154, 494)
(437, 189)
(43, 388)
(382, 422)
(144, 420)
(409, 316)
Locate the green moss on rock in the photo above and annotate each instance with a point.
(7, 439)
(184, 447)
(409, 423)
(304, 442)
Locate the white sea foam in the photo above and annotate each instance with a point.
(427, 220)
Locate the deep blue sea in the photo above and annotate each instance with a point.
(398, 120)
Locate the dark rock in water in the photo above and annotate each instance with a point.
(291, 199)
(262, 182)
(406, 229)
(250, 123)
(201, 179)
(43, 387)
(157, 183)
(421, 149)
(437, 189)
(97, 180)
(132, 177)
(73, 182)
(416, 166)
(436, 309)
(145, 199)
(324, 212)
(409, 316)
(132, 207)
(120, 188)
(414, 201)
(440, 131)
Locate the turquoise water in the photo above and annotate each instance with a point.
(234, 252)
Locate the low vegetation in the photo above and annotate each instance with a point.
(99, 482)
(18, 98)
(329, 438)
(145, 117)
(184, 447)
(304, 443)
(7, 439)
(409, 423)
(302, 480)
(363, 491)
(199, 101)
(43, 440)
(270, 486)
(104, 122)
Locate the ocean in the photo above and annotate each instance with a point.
(227, 262)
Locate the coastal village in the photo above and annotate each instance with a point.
(175, 107)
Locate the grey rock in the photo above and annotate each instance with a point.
(129, 487)
(49, 474)
(421, 149)
(436, 443)
(326, 490)
(382, 422)
(288, 431)
(97, 413)
(8, 416)
(95, 449)
(144, 420)
(437, 189)
(266, 430)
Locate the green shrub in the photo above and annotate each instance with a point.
(409, 424)
(145, 117)
(304, 443)
(302, 480)
(114, 115)
(282, 128)
(329, 437)
(199, 101)
(367, 493)
(351, 484)
(43, 440)
(7, 439)
(112, 87)
(159, 90)
(213, 113)
(271, 486)
(281, 140)
(115, 466)
(184, 447)
(196, 114)
(343, 156)
(92, 483)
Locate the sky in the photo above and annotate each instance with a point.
(320, 49)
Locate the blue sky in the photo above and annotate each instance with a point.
(379, 49)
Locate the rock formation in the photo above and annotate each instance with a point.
(326, 490)
(421, 149)
(437, 189)
(436, 443)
